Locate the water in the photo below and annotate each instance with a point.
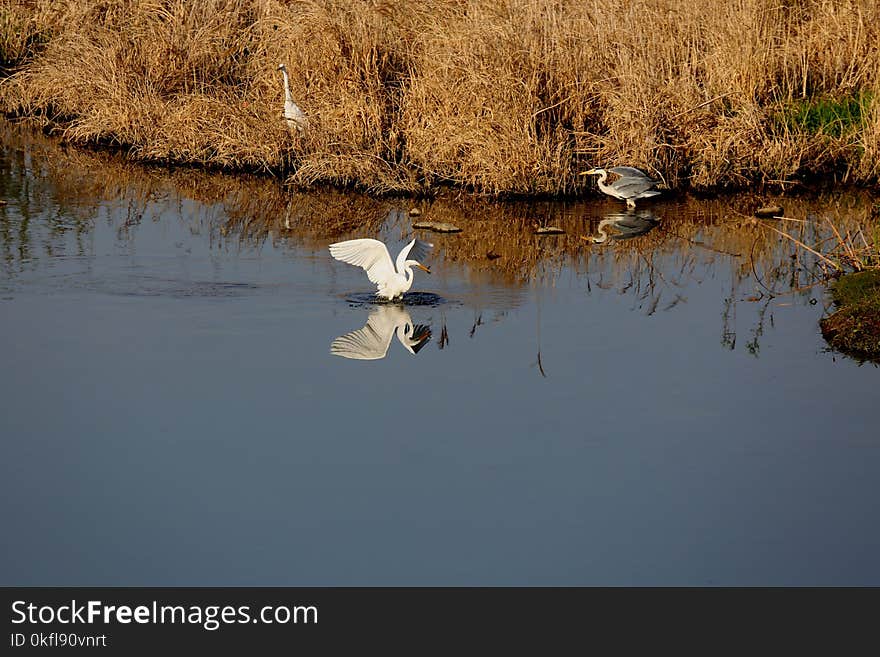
(642, 411)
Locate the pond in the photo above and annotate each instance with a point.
(184, 399)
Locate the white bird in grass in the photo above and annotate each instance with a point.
(371, 342)
(373, 256)
(295, 117)
(631, 185)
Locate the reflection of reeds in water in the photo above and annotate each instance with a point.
(497, 243)
(839, 251)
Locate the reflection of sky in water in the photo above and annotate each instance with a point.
(171, 413)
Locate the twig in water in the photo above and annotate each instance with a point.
(802, 245)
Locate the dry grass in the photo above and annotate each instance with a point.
(498, 97)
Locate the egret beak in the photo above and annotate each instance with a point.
(423, 268)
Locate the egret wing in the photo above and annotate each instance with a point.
(415, 250)
(370, 254)
(293, 113)
(362, 344)
(420, 250)
(367, 343)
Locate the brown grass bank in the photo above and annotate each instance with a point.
(498, 97)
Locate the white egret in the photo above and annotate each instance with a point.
(372, 340)
(631, 185)
(628, 224)
(373, 256)
(295, 117)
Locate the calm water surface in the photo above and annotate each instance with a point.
(638, 412)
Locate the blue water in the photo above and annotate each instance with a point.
(171, 413)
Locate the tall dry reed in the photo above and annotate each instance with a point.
(495, 96)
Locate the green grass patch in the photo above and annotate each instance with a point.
(855, 327)
(832, 116)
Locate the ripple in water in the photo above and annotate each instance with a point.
(428, 299)
(181, 289)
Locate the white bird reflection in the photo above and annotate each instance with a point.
(627, 224)
(371, 342)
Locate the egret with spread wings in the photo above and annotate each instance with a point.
(632, 184)
(372, 340)
(391, 279)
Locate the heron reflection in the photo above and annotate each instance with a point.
(371, 341)
(626, 224)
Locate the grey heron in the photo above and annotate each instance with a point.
(631, 184)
